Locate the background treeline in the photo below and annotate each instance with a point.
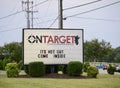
(11, 52)
(101, 51)
(94, 50)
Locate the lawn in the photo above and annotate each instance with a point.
(103, 81)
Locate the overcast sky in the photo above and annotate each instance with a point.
(103, 23)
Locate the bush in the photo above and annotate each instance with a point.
(55, 68)
(26, 69)
(1, 65)
(74, 68)
(20, 65)
(6, 61)
(47, 69)
(36, 69)
(92, 71)
(111, 69)
(60, 68)
(85, 66)
(65, 69)
(12, 69)
(51, 69)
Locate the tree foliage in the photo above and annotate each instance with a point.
(114, 55)
(96, 50)
(2, 53)
(11, 51)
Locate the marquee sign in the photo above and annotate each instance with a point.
(52, 46)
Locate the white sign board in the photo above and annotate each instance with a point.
(52, 46)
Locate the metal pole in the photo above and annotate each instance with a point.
(60, 14)
(32, 16)
(28, 15)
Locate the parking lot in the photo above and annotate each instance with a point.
(105, 71)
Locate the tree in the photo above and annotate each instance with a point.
(114, 56)
(1, 53)
(13, 51)
(105, 50)
(96, 50)
(117, 57)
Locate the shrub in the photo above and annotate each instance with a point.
(12, 69)
(111, 69)
(1, 65)
(65, 69)
(51, 69)
(47, 69)
(74, 68)
(20, 65)
(6, 61)
(85, 67)
(36, 69)
(60, 68)
(26, 69)
(55, 68)
(92, 71)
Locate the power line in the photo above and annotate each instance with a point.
(39, 3)
(93, 9)
(10, 29)
(53, 22)
(81, 5)
(46, 12)
(42, 22)
(47, 9)
(89, 18)
(21, 11)
(10, 15)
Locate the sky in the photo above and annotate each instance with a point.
(99, 24)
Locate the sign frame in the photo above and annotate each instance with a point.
(51, 29)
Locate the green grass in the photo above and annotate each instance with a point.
(103, 81)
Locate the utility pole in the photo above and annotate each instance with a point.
(32, 15)
(27, 6)
(28, 14)
(60, 26)
(60, 14)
